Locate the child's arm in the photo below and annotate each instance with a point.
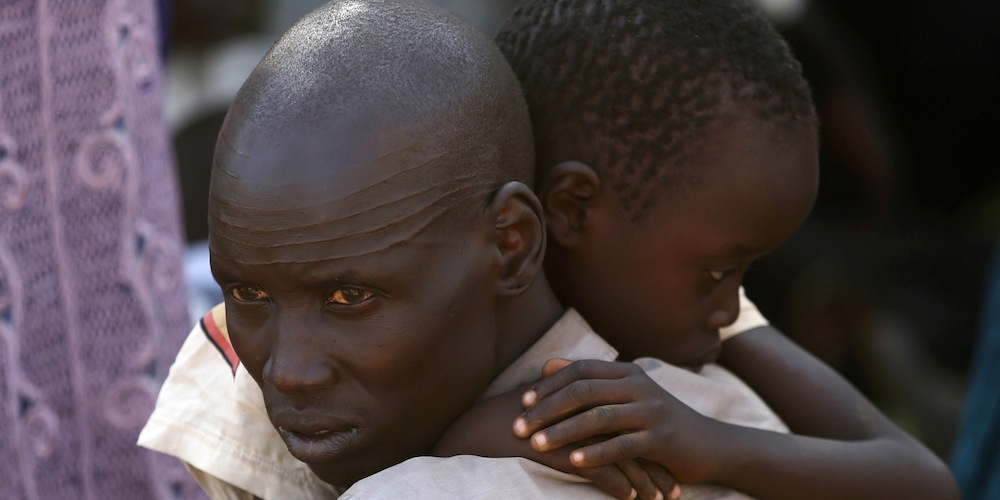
(814, 400)
(485, 430)
(600, 398)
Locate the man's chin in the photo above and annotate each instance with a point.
(345, 471)
(363, 457)
(339, 476)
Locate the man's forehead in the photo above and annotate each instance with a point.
(313, 152)
(282, 199)
(319, 234)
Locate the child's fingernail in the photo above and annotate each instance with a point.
(520, 427)
(539, 440)
(659, 495)
(529, 398)
(576, 457)
(676, 492)
(633, 494)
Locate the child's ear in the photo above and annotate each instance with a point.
(520, 237)
(568, 194)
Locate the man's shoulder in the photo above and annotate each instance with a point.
(467, 476)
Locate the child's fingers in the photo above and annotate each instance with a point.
(577, 370)
(610, 479)
(553, 365)
(579, 397)
(597, 421)
(612, 450)
(663, 479)
(641, 480)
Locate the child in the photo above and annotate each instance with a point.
(675, 144)
(380, 251)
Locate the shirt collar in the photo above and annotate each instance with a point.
(569, 338)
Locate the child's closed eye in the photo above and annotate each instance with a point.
(718, 274)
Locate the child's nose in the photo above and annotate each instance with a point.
(726, 309)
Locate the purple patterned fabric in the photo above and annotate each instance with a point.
(92, 307)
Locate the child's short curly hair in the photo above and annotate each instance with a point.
(630, 86)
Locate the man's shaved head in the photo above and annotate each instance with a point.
(407, 81)
(407, 60)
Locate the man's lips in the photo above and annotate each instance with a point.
(316, 444)
(314, 436)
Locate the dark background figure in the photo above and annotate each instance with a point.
(92, 301)
(885, 282)
(975, 458)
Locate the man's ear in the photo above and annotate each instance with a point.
(568, 194)
(520, 236)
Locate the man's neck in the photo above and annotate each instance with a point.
(525, 320)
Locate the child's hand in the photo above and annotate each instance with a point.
(590, 398)
(483, 431)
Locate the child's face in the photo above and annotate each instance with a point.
(366, 316)
(663, 286)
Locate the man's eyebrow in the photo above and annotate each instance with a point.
(220, 273)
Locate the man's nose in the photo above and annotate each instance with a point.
(725, 309)
(299, 361)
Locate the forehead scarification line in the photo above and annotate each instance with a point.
(355, 225)
(413, 181)
(263, 221)
(224, 141)
(355, 244)
(394, 163)
(417, 146)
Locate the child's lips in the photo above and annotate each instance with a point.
(709, 357)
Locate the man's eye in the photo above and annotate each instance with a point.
(350, 296)
(248, 293)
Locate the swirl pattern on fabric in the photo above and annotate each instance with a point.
(92, 305)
